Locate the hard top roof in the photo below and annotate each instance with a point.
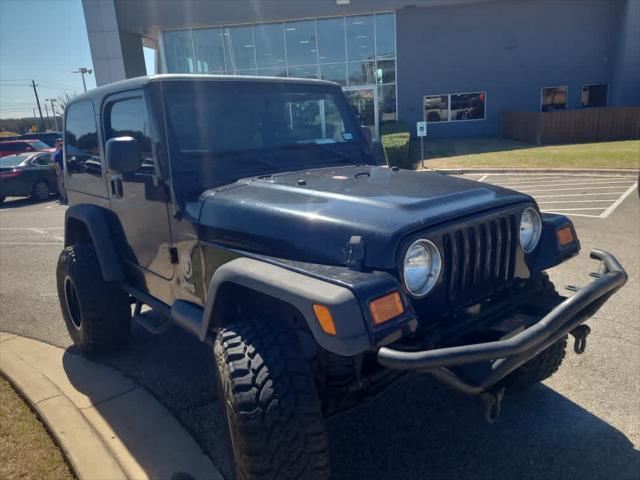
(139, 82)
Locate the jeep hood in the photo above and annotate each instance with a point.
(311, 215)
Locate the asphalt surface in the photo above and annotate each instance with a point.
(583, 423)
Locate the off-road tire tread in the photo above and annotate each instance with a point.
(273, 407)
(105, 308)
(547, 362)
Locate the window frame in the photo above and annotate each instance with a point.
(448, 95)
(606, 104)
(105, 121)
(566, 103)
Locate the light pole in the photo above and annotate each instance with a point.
(83, 70)
(53, 111)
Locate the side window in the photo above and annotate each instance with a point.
(43, 160)
(129, 118)
(82, 155)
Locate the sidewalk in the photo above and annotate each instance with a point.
(108, 426)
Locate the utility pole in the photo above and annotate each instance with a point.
(83, 70)
(33, 82)
(53, 111)
(46, 110)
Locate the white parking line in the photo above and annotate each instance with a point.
(581, 195)
(609, 200)
(610, 210)
(622, 183)
(576, 188)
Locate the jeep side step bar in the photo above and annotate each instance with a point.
(509, 354)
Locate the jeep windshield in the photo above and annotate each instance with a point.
(222, 131)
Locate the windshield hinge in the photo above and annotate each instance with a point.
(355, 252)
(173, 255)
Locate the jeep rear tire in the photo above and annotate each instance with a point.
(547, 362)
(269, 398)
(97, 313)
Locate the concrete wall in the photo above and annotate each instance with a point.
(508, 49)
(116, 54)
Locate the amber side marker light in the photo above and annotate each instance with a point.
(564, 235)
(385, 308)
(324, 318)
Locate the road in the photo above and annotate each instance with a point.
(583, 423)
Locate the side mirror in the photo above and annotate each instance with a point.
(367, 135)
(123, 155)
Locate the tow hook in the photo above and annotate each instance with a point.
(492, 404)
(580, 333)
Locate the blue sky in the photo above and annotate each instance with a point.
(44, 40)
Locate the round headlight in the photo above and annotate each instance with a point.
(530, 229)
(422, 265)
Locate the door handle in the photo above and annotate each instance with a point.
(116, 186)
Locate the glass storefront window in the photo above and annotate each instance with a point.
(331, 40)
(360, 39)
(209, 50)
(335, 72)
(386, 103)
(302, 48)
(357, 52)
(310, 71)
(385, 35)
(386, 71)
(272, 72)
(361, 73)
(467, 106)
(436, 108)
(270, 45)
(179, 51)
(240, 48)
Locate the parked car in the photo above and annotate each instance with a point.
(318, 277)
(12, 147)
(27, 174)
(46, 137)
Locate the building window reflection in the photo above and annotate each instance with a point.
(356, 51)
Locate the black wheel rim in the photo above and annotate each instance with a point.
(73, 306)
(41, 191)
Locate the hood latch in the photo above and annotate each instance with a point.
(355, 252)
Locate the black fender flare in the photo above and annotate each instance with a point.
(301, 292)
(96, 221)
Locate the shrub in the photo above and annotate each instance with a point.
(395, 138)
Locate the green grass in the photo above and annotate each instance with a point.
(26, 450)
(503, 153)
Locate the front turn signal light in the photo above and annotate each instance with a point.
(564, 235)
(385, 308)
(324, 318)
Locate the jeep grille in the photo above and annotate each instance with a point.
(480, 258)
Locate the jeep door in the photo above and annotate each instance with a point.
(139, 199)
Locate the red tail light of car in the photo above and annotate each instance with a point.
(11, 174)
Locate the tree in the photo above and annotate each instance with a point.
(64, 99)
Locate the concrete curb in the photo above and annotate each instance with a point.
(460, 171)
(108, 426)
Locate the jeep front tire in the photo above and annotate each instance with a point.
(97, 313)
(271, 404)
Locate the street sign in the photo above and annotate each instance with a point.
(421, 128)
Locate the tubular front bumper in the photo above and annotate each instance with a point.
(509, 354)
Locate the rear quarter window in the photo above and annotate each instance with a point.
(82, 158)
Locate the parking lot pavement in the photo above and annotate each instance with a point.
(583, 423)
(577, 195)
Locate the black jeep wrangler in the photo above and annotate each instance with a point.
(251, 213)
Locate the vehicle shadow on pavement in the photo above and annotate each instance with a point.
(418, 429)
(423, 430)
(23, 202)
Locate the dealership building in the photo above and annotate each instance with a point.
(458, 64)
